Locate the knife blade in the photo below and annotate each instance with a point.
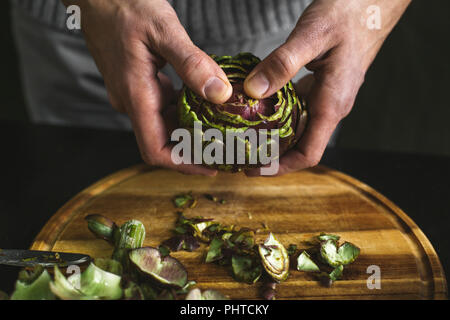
(29, 258)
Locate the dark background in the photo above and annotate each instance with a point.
(402, 106)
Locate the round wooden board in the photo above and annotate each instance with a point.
(294, 207)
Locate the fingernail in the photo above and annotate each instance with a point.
(215, 89)
(258, 85)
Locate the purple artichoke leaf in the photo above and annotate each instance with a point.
(166, 271)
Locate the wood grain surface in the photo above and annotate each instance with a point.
(294, 207)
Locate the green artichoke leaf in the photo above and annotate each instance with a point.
(328, 252)
(215, 250)
(34, 287)
(336, 274)
(97, 283)
(183, 200)
(101, 227)
(245, 268)
(65, 289)
(348, 253)
(305, 263)
(325, 237)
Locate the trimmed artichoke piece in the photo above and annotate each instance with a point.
(348, 252)
(132, 236)
(33, 286)
(196, 294)
(93, 284)
(275, 258)
(304, 263)
(102, 227)
(98, 283)
(328, 252)
(165, 270)
(245, 268)
(282, 112)
(64, 289)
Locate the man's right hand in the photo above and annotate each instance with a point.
(130, 41)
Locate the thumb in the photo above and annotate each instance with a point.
(198, 70)
(305, 44)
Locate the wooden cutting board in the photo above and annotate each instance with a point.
(294, 207)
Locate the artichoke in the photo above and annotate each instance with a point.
(283, 115)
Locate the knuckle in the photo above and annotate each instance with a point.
(192, 63)
(284, 63)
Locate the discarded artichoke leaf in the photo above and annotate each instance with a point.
(102, 227)
(215, 250)
(109, 265)
(183, 200)
(163, 250)
(165, 270)
(99, 284)
(244, 237)
(304, 263)
(325, 237)
(64, 289)
(181, 242)
(328, 252)
(196, 294)
(275, 258)
(180, 229)
(337, 272)
(348, 253)
(36, 287)
(246, 268)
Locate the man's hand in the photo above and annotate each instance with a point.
(130, 41)
(331, 39)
